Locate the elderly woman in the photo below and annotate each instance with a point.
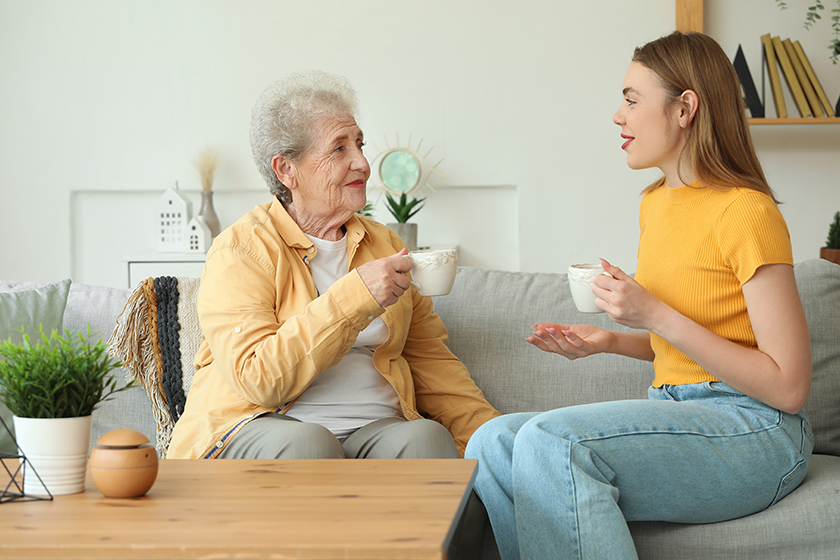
(315, 343)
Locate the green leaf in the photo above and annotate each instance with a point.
(62, 376)
(404, 209)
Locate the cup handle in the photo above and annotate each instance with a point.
(410, 257)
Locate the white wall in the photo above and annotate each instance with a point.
(119, 95)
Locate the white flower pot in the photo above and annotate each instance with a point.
(57, 448)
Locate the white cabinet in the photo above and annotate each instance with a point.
(151, 263)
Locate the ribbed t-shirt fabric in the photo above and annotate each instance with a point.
(698, 247)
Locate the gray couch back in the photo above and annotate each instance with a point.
(489, 313)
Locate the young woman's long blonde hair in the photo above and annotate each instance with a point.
(719, 144)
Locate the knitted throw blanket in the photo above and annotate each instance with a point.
(156, 338)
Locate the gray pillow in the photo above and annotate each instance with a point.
(29, 309)
(819, 287)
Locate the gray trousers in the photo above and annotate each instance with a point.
(278, 436)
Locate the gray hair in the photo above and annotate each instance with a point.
(283, 119)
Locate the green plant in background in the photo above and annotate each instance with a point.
(404, 209)
(833, 241)
(812, 15)
(61, 377)
(367, 210)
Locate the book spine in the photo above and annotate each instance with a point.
(804, 80)
(806, 64)
(775, 81)
(790, 77)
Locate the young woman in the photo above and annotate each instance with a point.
(722, 434)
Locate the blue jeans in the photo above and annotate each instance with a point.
(563, 484)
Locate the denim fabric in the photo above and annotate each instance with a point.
(563, 484)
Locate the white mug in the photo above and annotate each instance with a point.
(434, 271)
(581, 279)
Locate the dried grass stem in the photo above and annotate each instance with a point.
(205, 164)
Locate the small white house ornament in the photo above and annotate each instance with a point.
(198, 236)
(174, 212)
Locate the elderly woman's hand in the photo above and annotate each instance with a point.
(385, 277)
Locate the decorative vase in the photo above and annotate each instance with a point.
(208, 213)
(57, 449)
(407, 232)
(831, 255)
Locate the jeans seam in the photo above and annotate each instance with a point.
(680, 433)
(782, 482)
(574, 498)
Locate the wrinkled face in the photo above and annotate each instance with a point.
(650, 131)
(330, 180)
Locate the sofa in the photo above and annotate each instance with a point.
(488, 315)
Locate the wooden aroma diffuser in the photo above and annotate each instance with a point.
(123, 464)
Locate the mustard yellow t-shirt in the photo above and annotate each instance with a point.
(697, 248)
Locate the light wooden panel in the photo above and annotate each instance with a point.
(690, 15)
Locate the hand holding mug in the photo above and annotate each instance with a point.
(385, 278)
(626, 301)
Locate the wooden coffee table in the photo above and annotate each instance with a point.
(302, 509)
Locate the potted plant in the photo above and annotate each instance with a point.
(831, 251)
(52, 388)
(402, 211)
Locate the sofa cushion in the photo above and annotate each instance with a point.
(99, 306)
(819, 287)
(801, 526)
(28, 306)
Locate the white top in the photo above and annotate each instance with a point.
(352, 393)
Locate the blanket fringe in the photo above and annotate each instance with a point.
(135, 343)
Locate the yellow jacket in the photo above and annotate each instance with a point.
(268, 334)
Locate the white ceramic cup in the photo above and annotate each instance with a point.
(434, 271)
(581, 280)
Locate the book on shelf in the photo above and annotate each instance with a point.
(815, 82)
(751, 98)
(804, 80)
(791, 79)
(775, 80)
